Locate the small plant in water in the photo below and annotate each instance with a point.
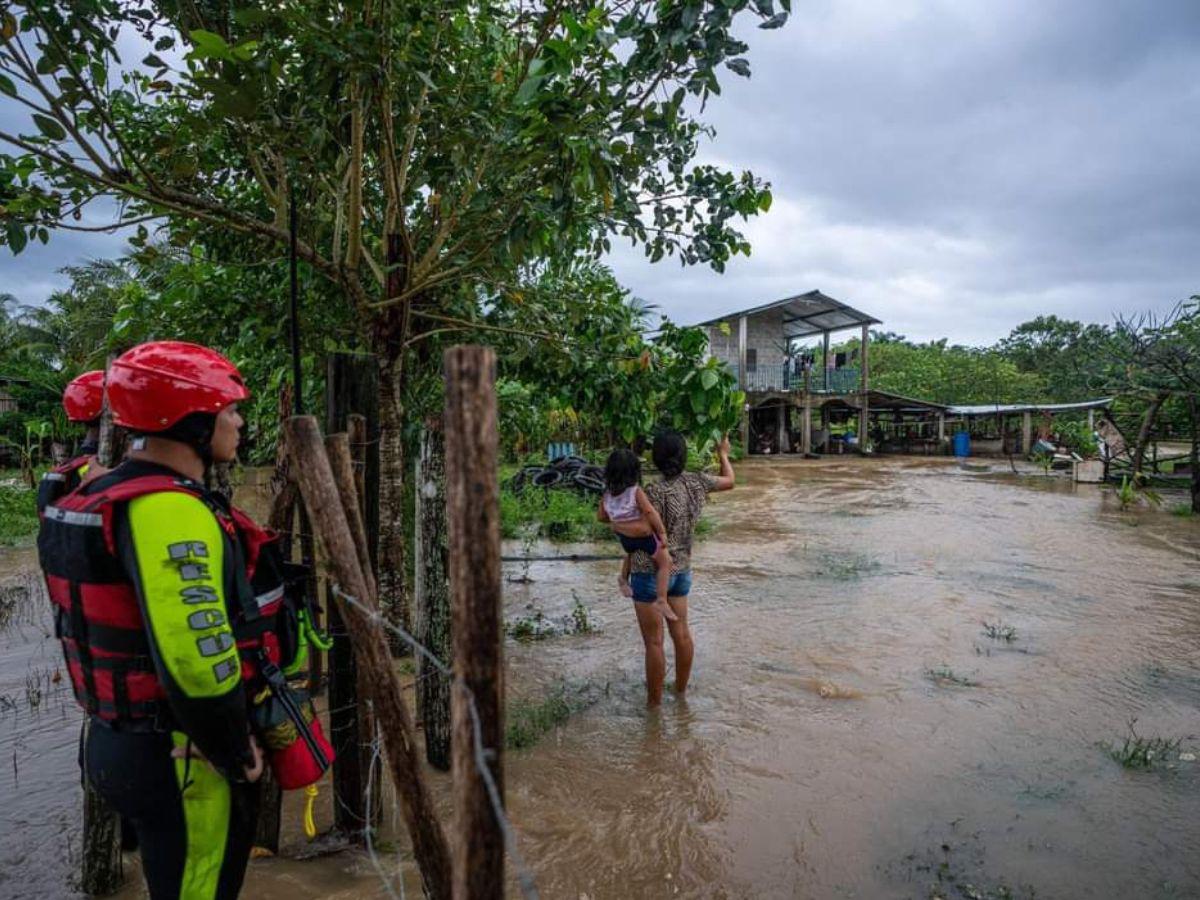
(537, 626)
(1137, 752)
(998, 631)
(944, 675)
(1128, 494)
(1044, 460)
(1183, 510)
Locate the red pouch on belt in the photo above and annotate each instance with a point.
(291, 733)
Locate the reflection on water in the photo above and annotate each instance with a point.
(813, 756)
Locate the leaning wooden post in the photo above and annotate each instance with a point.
(431, 607)
(371, 653)
(102, 871)
(473, 514)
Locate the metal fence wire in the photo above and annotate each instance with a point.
(481, 754)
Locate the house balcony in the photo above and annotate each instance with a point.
(782, 380)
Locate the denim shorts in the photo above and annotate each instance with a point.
(645, 590)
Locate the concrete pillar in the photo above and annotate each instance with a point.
(742, 381)
(941, 427)
(806, 426)
(826, 364)
(781, 415)
(1027, 432)
(864, 385)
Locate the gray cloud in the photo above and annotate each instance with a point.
(953, 166)
(959, 167)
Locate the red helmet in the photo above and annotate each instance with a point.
(154, 385)
(83, 398)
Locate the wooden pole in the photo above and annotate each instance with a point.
(281, 517)
(352, 405)
(806, 423)
(102, 870)
(431, 609)
(473, 514)
(371, 652)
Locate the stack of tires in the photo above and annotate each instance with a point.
(565, 473)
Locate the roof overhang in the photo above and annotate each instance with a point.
(1001, 409)
(806, 315)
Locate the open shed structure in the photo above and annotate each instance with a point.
(991, 424)
(761, 346)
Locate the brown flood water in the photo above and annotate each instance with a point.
(814, 756)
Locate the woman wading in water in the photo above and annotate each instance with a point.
(679, 499)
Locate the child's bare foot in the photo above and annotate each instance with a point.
(626, 590)
(663, 608)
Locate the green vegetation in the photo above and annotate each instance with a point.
(1183, 510)
(998, 631)
(553, 515)
(845, 565)
(18, 513)
(530, 720)
(945, 676)
(536, 626)
(1142, 753)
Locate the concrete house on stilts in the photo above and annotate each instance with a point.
(782, 355)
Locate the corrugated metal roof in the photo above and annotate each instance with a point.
(985, 409)
(807, 314)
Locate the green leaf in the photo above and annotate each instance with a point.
(154, 62)
(208, 44)
(708, 378)
(17, 238)
(529, 88)
(7, 87)
(49, 127)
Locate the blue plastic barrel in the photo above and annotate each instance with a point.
(962, 444)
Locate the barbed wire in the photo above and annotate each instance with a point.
(481, 754)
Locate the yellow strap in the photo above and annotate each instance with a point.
(310, 826)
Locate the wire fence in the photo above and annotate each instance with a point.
(481, 754)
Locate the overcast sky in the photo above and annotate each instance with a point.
(953, 167)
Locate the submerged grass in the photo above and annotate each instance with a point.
(1142, 753)
(944, 675)
(18, 514)
(530, 720)
(845, 565)
(998, 631)
(537, 626)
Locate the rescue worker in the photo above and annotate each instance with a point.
(166, 601)
(83, 401)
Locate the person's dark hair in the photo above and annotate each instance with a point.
(670, 453)
(622, 471)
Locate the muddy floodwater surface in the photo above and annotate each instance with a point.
(853, 729)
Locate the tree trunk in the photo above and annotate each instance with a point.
(432, 594)
(102, 873)
(323, 496)
(393, 538)
(1194, 459)
(280, 518)
(1143, 436)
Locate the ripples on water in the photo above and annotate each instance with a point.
(814, 757)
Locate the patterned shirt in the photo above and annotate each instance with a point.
(679, 501)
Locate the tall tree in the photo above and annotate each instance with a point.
(432, 147)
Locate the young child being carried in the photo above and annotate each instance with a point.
(636, 523)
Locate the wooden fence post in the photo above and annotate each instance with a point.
(431, 609)
(364, 621)
(352, 405)
(473, 514)
(102, 870)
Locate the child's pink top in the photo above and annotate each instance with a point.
(623, 507)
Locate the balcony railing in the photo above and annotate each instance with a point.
(821, 381)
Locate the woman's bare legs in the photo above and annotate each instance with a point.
(651, 624)
(681, 637)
